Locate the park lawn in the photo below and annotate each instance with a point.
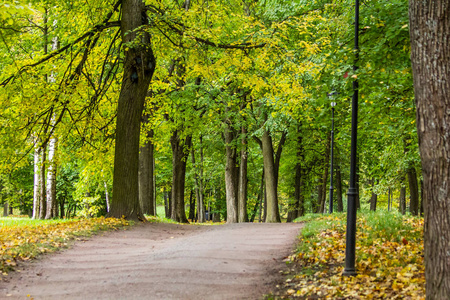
(389, 254)
(22, 238)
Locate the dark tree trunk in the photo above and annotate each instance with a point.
(297, 208)
(192, 206)
(180, 152)
(374, 198)
(340, 205)
(199, 184)
(430, 56)
(5, 209)
(413, 191)
(323, 199)
(231, 178)
(61, 207)
(139, 65)
(146, 184)
(243, 182)
(316, 204)
(273, 214)
(402, 200)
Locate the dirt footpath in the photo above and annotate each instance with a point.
(162, 261)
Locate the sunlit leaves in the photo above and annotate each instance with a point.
(26, 239)
(389, 259)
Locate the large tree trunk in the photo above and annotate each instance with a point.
(139, 65)
(146, 191)
(413, 191)
(340, 205)
(231, 179)
(273, 214)
(51, 180)
(180, 152)
(243, 182)
(430, 56)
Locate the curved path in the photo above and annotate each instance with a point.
(161, 261)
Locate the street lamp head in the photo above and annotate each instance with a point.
(333, 104)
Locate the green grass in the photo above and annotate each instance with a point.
(14, 221)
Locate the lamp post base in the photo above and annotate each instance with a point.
(349, 272)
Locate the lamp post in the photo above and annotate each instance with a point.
(333, 104)
(350, 243)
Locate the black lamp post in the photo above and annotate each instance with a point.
(350, 245)
(333, 104)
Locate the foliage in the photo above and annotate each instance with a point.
(389, 259)
(22, 239)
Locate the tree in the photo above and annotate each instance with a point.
(430, 56)
(139, 66)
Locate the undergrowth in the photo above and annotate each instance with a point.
(389, 259)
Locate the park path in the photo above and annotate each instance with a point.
(161, 261)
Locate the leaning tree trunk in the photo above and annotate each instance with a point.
(243, 182)
(430, 56)
(273, 214)
(139, 65)
(413, 191)
(230, 177)
(180, 152)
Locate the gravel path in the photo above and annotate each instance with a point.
(161, 261)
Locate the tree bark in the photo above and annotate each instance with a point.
(51, 180)
(198, 175)
(374, 198)
(139, 66)
(340, 205)
(231, 180)
(243, 181)
(42, 199)
(146, 191)
(273, 214)
(323, 199)
(5, 209)
(191, 206)
(413, 191)
(297, 208)
(37, 179)
(402, 200)
(430, 56)
(180, 152)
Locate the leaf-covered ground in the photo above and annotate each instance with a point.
(389, 251)
(23, 239)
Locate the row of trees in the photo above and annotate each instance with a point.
(86, 83)
(243, 81)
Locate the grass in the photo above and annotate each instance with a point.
(389, 259)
